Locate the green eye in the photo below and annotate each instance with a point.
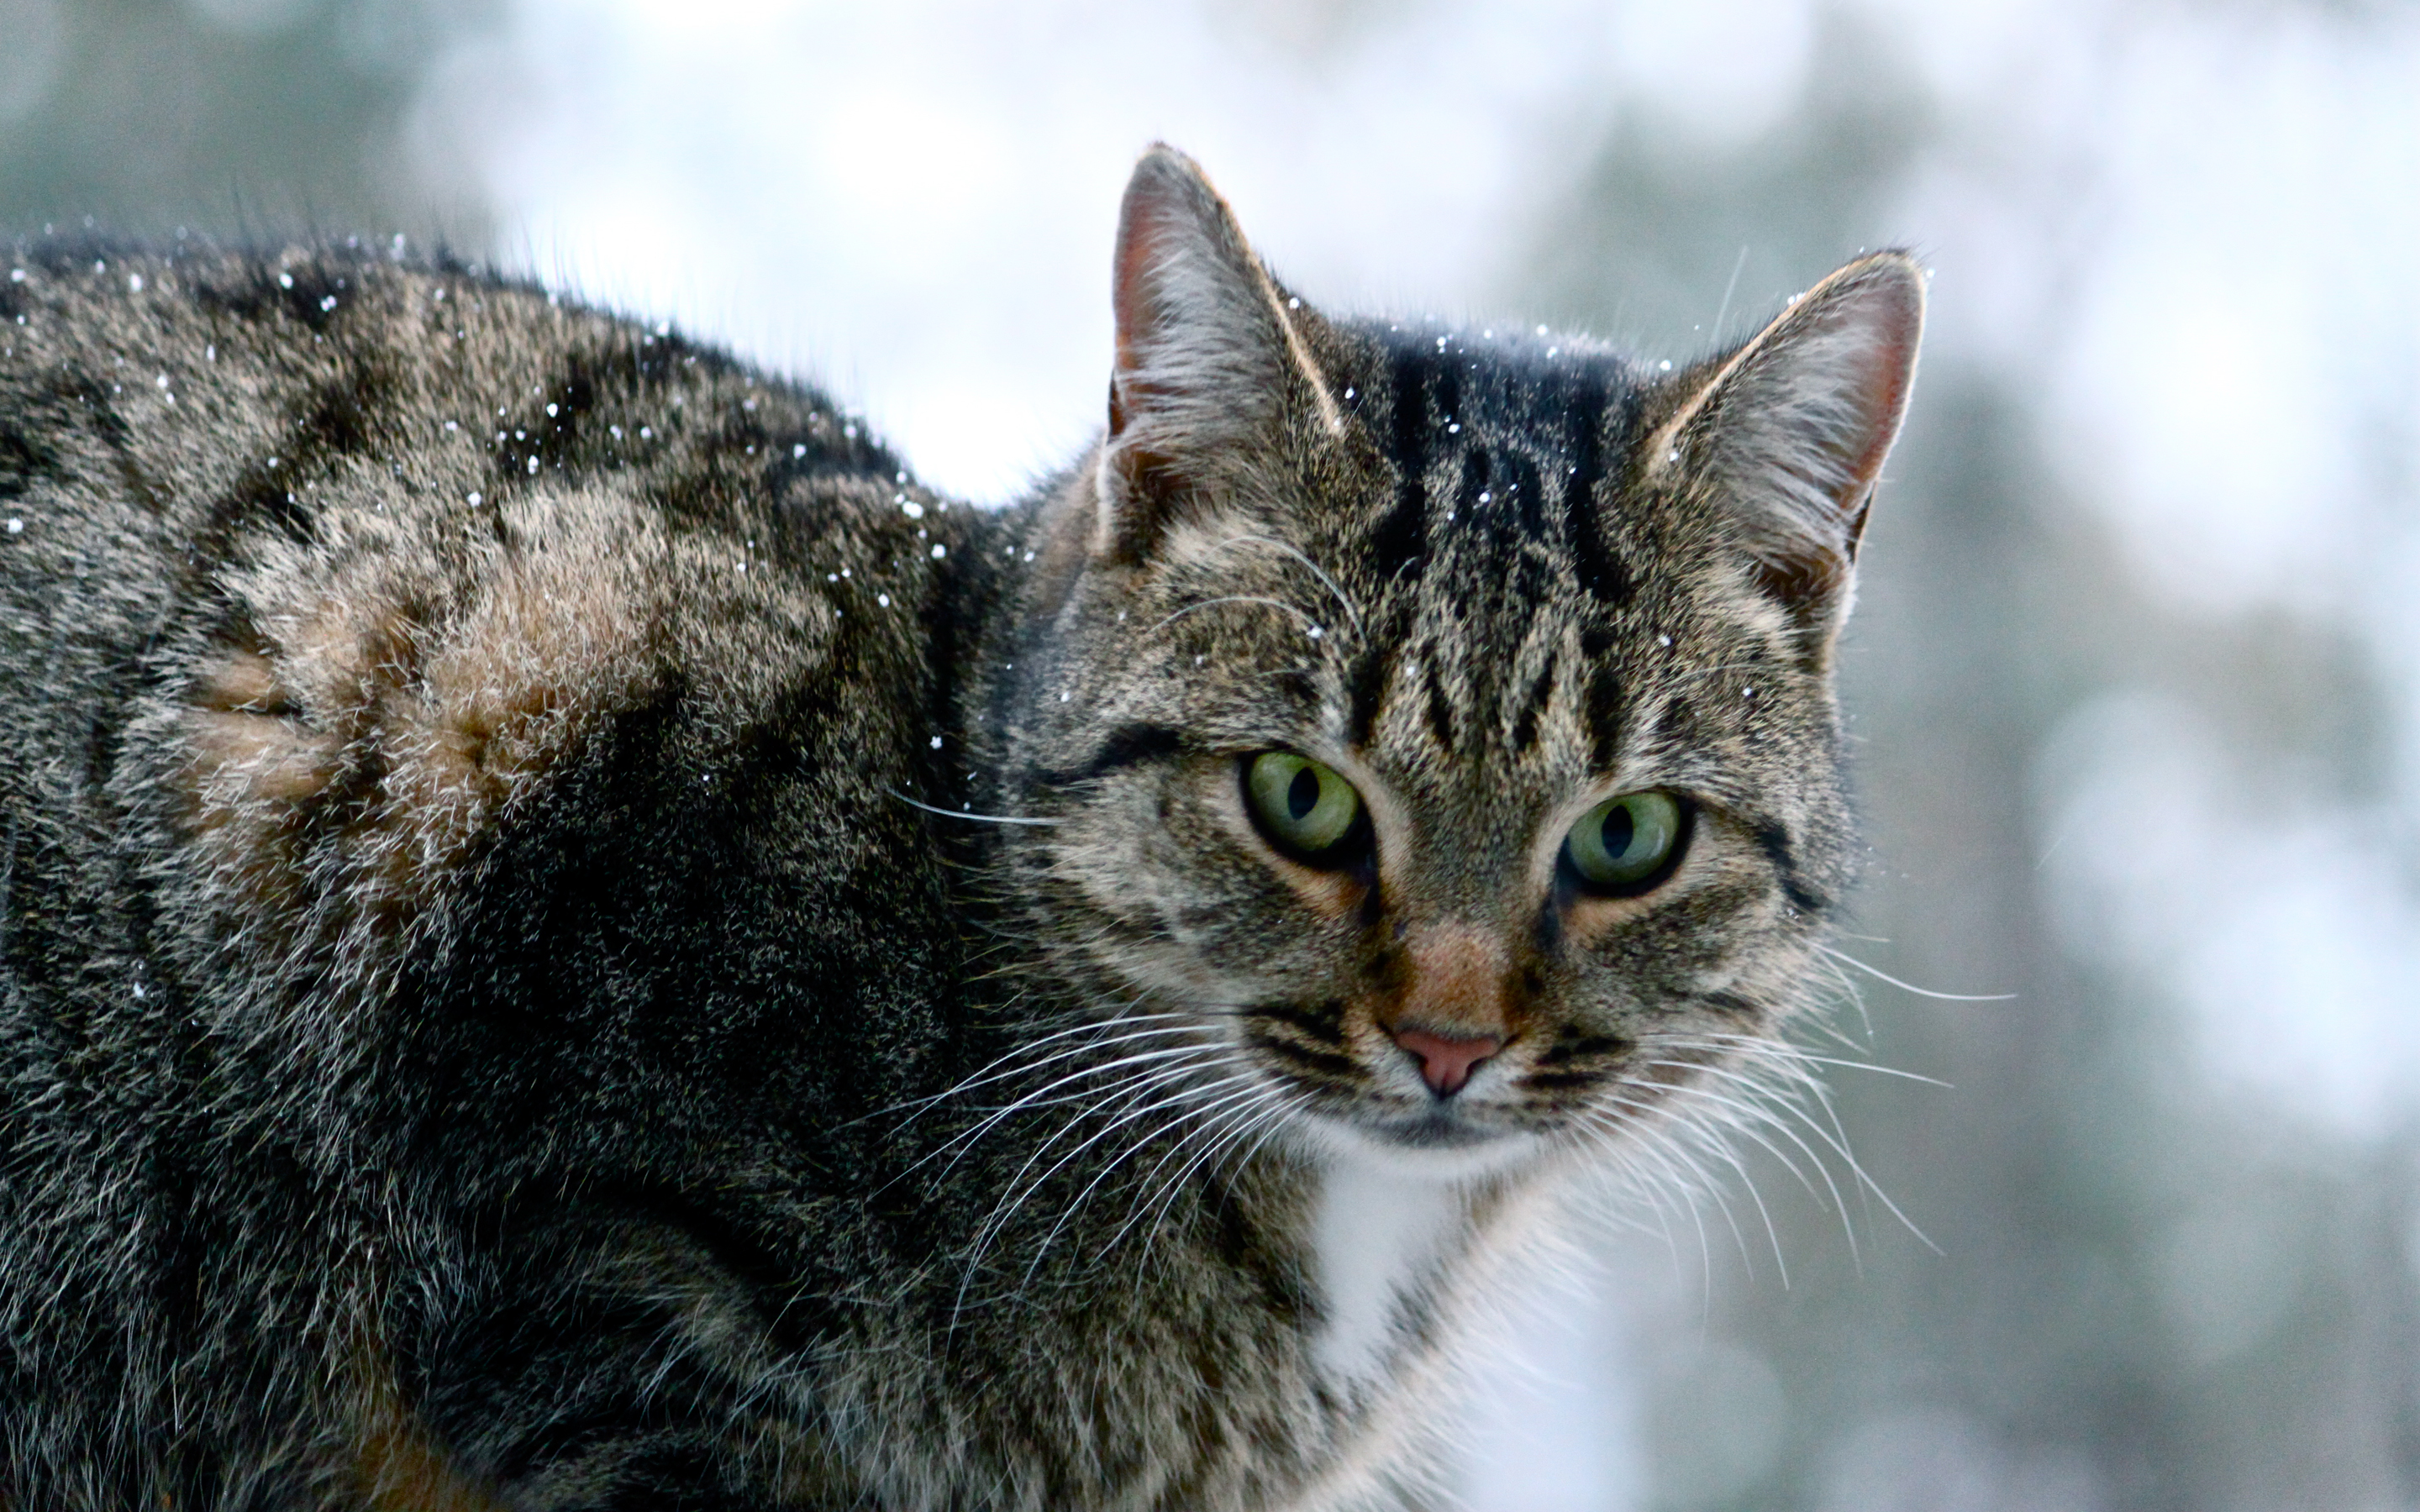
(1304, 809)
(1626, 844)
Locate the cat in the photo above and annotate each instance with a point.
(571, 936)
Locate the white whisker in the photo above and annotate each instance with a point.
(962, 813)
(1909, 987)
(1234, 598)
(1326, 582)
(1020, 1189)
(964, 1139)
(992, 1069)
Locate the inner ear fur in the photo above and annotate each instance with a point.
(1208, 353)
(1791, 429)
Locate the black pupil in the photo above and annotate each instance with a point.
(1302, 794)
(1619, 830)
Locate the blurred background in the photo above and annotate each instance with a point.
(2135, 681)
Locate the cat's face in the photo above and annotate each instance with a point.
(1438, 725)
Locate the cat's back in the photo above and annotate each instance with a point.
(168, 420)
(292, 487)
(318, 562)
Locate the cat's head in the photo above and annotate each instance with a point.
(1436, 726)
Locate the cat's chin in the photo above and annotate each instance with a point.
(1440, 1143)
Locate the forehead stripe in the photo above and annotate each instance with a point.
(1533, 707)
(1600, 571)
(1400, 540)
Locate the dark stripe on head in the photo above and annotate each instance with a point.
(1550, 932)
(1298, 684)
(1561, 1080)
(1440, 708)
(1444, 393)
(1477, 469)
(1601, 571)
(1732, 1003)
(1401, 538)
(262, 493)
(1525, 496)
(27, 456)
(1570, 1045)
(344, 414)
(1366, 685)
(1321, 1023)
(1525, 726)
(1604, 716)
(1328, 1064)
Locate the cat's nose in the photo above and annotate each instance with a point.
(1446, 1064)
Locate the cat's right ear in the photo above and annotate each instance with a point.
(1207, 356)
(1791, 430)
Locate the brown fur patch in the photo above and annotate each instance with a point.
(392, 716)
(394, 1466)
(1456, 980)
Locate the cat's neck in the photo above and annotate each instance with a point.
(1402, 1255)
(1381, 1241)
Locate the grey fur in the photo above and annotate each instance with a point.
(571, 937)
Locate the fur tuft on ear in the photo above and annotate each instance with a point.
(1792, 428)
(1206, 351)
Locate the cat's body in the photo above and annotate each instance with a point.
(571, 937)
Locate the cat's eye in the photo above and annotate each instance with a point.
(1304, 809)
(1626, 844)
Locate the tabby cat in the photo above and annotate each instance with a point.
(572, 937)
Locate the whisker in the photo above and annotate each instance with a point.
(1665, 1155)
(1234, 598)
(1796, 1053)
(962, 813)
(1281, 1101)
(1326, 582)
(1836, 1139)
(1712, 1142)
(1880, 975)
(990, 1071)
(1243, 1077)
(1748, 1117)
(1234, 1125)
(963, 1140)
(1022, 1189)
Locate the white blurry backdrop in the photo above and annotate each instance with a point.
(2137, 679)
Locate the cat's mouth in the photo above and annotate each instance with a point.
(1445, 1125)
(1401, 1104)
(1449, 1140)
(1463, 1121)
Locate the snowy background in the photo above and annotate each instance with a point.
(2136, 672)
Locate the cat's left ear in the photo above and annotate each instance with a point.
(1791, 430)
(1211, 356)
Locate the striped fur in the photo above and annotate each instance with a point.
(571, 937)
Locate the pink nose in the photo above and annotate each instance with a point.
(1446, 1064)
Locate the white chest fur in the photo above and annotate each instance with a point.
(1381, 1236)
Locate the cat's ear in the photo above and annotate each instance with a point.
(1209, 353)
(1791, 430)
